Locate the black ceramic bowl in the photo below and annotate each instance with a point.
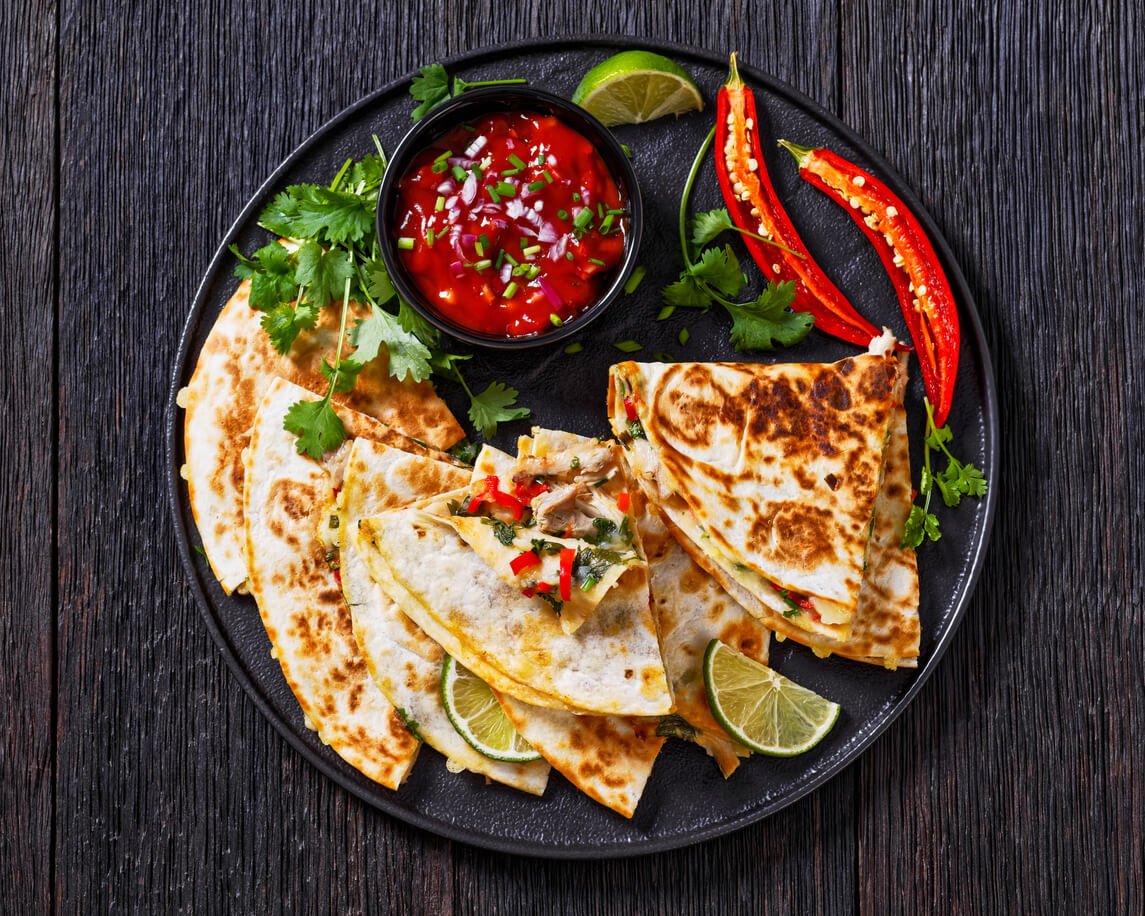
(466, 108)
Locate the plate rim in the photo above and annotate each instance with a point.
(391, 805)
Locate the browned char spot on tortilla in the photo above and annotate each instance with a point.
(804, 534)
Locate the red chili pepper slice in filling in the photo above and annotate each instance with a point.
(924, 293)
(524, 561)
(492, 492)
(753, 205)
(567, 557)
(630, 411)
(623, 501)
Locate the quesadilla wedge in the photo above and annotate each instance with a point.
(691, 610)
(610, 666)
(609, 758)
(772, 470)
(886, 627)
(560, 514)
(298, 595)
(403, 661)
(235, 368)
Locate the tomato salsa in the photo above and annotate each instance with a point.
(510, 225)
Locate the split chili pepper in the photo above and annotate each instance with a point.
(754, 206)
(623, 501)
(568, 554)
(530, 490)
(630, 410)
(924, 293)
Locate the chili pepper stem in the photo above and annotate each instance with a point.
(801, 153)
(733, 81)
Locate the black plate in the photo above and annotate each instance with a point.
(686, 800)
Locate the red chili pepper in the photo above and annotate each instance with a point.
(630, 411)
(567, 557)
(530, 490)
(524, 561)
(492, 492)
(753, 205)
(797, 599)
(924, 293)
(623, 501)
(544, 587)
(529, 592)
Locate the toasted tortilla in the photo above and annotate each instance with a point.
(235, 368)
(886, 628)
(309, 624)
(609, 758)
(403, 661)
(691, 610)
(610, 666)
(773, 470)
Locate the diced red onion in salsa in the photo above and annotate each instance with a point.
(511, 224)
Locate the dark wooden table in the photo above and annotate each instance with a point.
(135, 775)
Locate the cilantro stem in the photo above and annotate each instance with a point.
(341, 174)
(341, 334)
(381, 152)
(687, 194)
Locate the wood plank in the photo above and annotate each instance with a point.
(27, 484)
(1011, 784)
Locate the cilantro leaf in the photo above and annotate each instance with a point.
(367, 173)
(271, 275)
(767, 321)
(431, 89)
(706, 226)
(408, 355)
(719, 267)
(687, 292)
(378, 283)
(416, 325)
(317, 426)
(444, 364)
(347, 374)
(495, 405)
(334, 216)
(921, 524)
(280, 215)
(285, 321)
(323, 272)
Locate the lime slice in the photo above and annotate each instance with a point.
(636, 86)
(762, 709)
(479, 718)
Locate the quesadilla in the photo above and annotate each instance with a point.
(691, 610)
(771, 470)
(309, 624)
(609, 758)
(610, 666)
(403, 661)
(562, 495)
(235, 368)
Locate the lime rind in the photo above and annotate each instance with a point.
(637, 86)
(763, 710)
(476, 715)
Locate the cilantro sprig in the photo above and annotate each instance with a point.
(954, 482)
(432, 88)
(330, 252)
(714, 275)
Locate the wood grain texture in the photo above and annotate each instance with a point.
(1021, 127)
(27, 498)
(1012, 784)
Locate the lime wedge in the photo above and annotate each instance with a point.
(479, 718)
(762, 709)
(636, 86)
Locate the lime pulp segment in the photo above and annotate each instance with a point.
(762, 709)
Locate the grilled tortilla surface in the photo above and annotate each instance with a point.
(235, 368)
(772, 470)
